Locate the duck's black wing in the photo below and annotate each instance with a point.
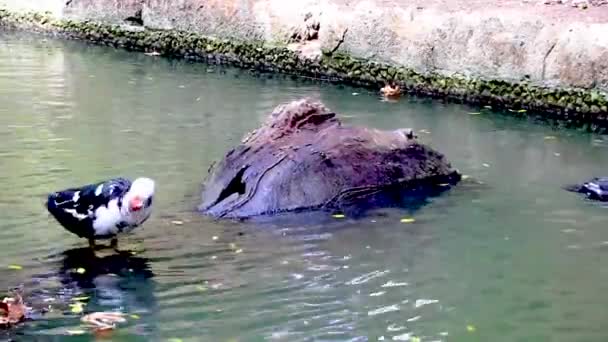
(74, 208)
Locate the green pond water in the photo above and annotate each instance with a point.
(505, 256)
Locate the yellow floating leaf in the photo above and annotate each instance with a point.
(177, 222)
(15, 267)
(474, 113)
(550, 137)
(80, 270)
(522, 111)
(415, 339)
(408, 220)
(471, 328)
(338, 216)
(80, 299)
(134, 316)
(77, 307)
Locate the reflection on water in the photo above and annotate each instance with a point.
(505, 256)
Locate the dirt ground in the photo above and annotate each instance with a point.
(555, 12)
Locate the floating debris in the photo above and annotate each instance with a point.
(153, 53)
(101, 321)
(471, 328)
(76, 332)
(177, 222)
(485, 165)
(408, 220)
(391, 90)
(355, 94)
(550, 137)
(465, 177)
(214, 238)
(80, 270)
(338, 216)
(15, 267)
(12, 311)
(474, 113)
(77, 307)
(80, 299)
(134, 316)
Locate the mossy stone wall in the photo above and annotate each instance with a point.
(575, 107)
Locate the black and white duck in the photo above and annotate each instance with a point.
(103, 210)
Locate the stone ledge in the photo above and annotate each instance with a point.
(586, 108)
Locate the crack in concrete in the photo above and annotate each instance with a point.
(542, 76)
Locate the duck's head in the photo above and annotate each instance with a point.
(140, 195)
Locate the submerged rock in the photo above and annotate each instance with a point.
(304, 158)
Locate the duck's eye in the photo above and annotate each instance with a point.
(149, 202)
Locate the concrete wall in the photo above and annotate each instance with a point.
(491, 42)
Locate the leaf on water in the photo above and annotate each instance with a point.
(338, 216)
(201, 288)
(415, 339)
(101, 321)
(12, 310)
(408, 220)
(522, 111)
(474, 113)
(177, 222)
(77, 307)
(550, 137)
(80, 299)
(471, 328)
(174, 339)
(134, 316)
(80, 270)
(15, 267)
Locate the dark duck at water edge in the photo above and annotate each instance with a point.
(595, 189)
(103, 210)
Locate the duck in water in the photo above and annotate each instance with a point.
(103, 210)
(595, 189)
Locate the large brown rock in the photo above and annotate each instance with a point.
(304, 158)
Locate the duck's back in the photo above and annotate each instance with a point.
(74, 208)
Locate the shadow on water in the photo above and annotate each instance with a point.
(82, 266)
(100, 281)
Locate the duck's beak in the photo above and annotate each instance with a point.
(136, 204)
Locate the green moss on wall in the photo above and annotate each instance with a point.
(577, 107)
